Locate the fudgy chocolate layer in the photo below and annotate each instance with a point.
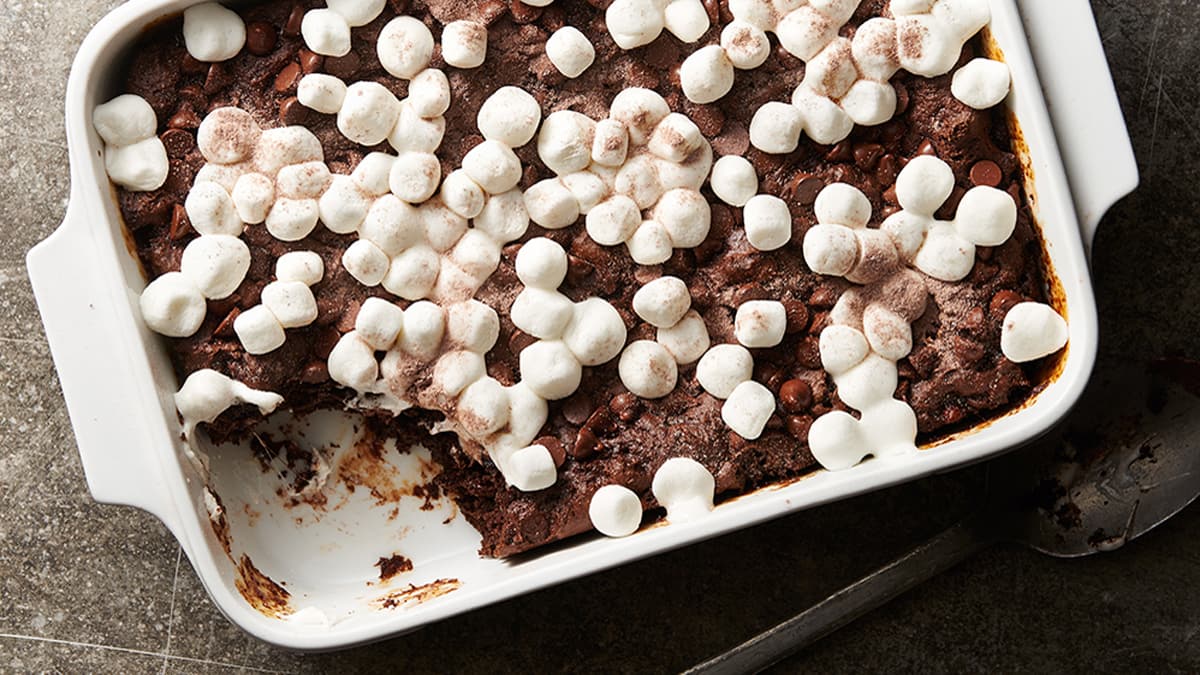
(955, 376)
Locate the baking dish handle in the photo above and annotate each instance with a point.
(1084, 108)
(78, 310)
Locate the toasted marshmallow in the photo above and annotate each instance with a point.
(173, 306)
(544, 314)
(684, 488)
(321, 92)
(303, 181)
(734, 180)
(924, 185)
(687, 340)
(464, 44)
(494, 166)
(662, 302)
(343, 207)
(723, 368)
(510, 116)
(842, 348)
(550, 370)
(551, 205)
(504, 217)
(424, 328)
(140, 167)
(760, 323)
(768, 222)
(830, 249)
(259, 331)
(284, 146)
(650, 244)
(570, 51)
(648, 370)
(291, 302)
(303, 266)
(429, 93)
(352, 363)
(686, 215)
(748, 408)
(615, 511)
(206, 394)
(326, 32)
(565, 141)
(457, 370)
(369, 113)
(746, 46)
(986, 216)
(462, 195)
(633, 23)
(483, 407)
(610, 144)
(125, 120)
(1032, 330)
(707, 74)
(775, 128)
(541, 263)
(292, 219)
(357, 12)
(253, 195)
(530, 469)
(405, 47)
(212, 33)
(473, 326)
(596, 332)
(613, 221)
(211, 210)
(415, 176)
(216, 264)
(982, 83)
(413, 273)
(366, 263)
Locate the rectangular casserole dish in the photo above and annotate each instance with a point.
(118, 380)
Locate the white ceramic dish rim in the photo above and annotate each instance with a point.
(118, 381)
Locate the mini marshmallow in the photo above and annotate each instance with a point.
(842, 204)
(723, 368)
(550, 370)
(216, 264)
(303, 266)
(889, 335)
(927, 46)
(541, 313)
(326, 32)
(253, 195)
(570, 51)
(745, 45)
(707, 74)
(206, 394)
(748, 408)
(369, 113)
(805, 31)
(924, 185)
(210, 210)
(462, 195)
(650, 244)
(541, 263)
(640, 110)
(760, 323)
(429, 93)
(530, 469)
(212, 33)
(379, 323)
(768, 222)
(877, 257)
(907, 230)
(352, 363)
(125, 120)
(638, 180)
(613, 221)
(734, 180)
(291, 302)
(986, 216)
(343, 207)
(589, 189)
(869, 103)
(504, 217)
(457, 370)
(366, 263)
(891, 428)
(1032, 330)
(511, 116)
(874, 48)
(277, 148)
(405, 47)
(615, 511)
(824, 120)
(686, 19)
(464, 44)
(610, 144)
(140, 167)
(842, 348)
(832, 72)
(775, 128)
(415, 176)
(662, 302)
(687, 340)
(373, 172)
(442, 227)
(424, 327)
(596, 332)
(473, 325)
(982, 83)
(414, 133)
(258, 330)
(303, 181)
(527, 413)
(633, 23)
(836, 440)
(357, 12)
(483, 408)
(686, 215)
(292, 219)
(675, 138)
(173, 306)
(476, 253)
(684, 488)
(870, 382)
(648, 370)
(494, 166)
(413, 273)
(323, 93)
(830, 249)
(945, 255)
(227, 136)
(565, 141)
(551, 205)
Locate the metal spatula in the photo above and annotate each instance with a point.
(1126, 459)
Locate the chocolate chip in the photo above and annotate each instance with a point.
(842, 152)
(627, 406)
(310, 62)
(490, 11)
(578, 408)
(557, 452)
(553, 18)
(798, 426)
(824, 296)
(345, 67)
(315, 373)
(888, 169)
(805, 188)
(260, 38)
(178, 143)
(287, 78)
(518, 341)
(808, 352)
(713, 9)
(902, 98)
(986, 172)
(1002, 302)
(578, 270)
(586, 444)
(399, 6)
(192, 66)
(523, 13)
(184, 118)
(866, 156)
(225, 328)
(291, 27)
(292, 112)
(926, 148)
(601, 421)
(180, 225)
(797, 315)
(795, 396)
(217, 79)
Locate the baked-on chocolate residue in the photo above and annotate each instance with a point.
(261, 591)
(418, 594)
(393, 565)
(364, 466)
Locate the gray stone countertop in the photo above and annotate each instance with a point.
(90, 588)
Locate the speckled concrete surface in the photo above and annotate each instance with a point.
(88, 588)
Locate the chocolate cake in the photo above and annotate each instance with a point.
(633, 408)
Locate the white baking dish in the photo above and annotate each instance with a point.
(118, 381)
